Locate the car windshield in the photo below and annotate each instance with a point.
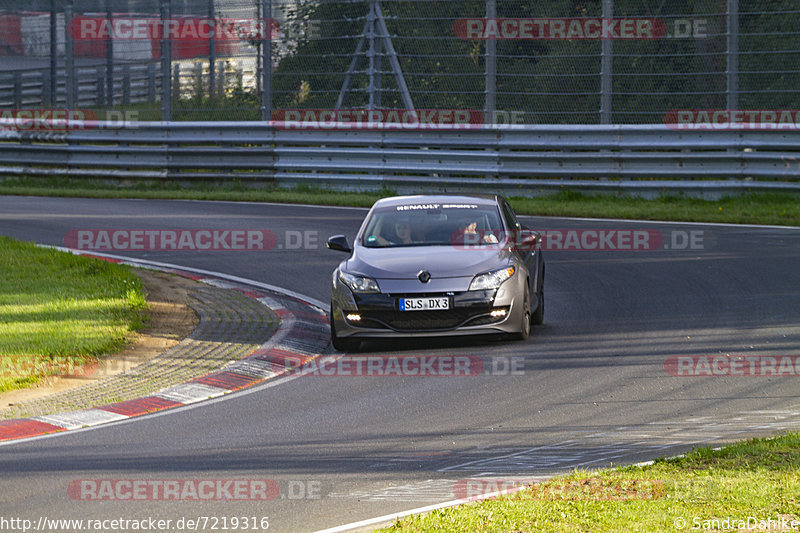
(433, 225)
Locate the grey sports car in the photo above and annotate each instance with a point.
(435, 266)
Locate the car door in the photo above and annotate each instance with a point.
(523, 253)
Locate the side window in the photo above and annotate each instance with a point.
(508, 214)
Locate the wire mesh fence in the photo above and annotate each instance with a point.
(494, 61)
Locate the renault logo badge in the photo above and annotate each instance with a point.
(424, 276)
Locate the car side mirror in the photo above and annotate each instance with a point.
(339, 243)
(527, 240)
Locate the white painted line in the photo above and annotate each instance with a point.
(244, 281)
(299, 348)
(582, 219)
(559, 445)
(234, 202)
(219, 283)
(673, 222)
(251, 367)
(272, 303)
(419, 510)
(191, 393)
(79, 419)
(157, 414)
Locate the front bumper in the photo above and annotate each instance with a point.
(470, 313)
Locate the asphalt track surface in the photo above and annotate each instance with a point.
(592, 388)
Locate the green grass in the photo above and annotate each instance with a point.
(751, 208)
(758, 478)
(58, 311)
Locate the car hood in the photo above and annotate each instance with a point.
(441, 261)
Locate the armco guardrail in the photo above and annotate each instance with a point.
(518, 159)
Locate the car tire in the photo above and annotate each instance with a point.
(525, 323)
(340, 344)
(537, 318)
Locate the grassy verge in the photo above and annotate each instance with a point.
(745, 483)
(752, 208)
(59, 311)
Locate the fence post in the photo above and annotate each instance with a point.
(732, 71)
(151, 82)
(109, 60)
(101, 88)
(17, 83)
(266, 52)
(126, 84)
(371, 16)
(52, 81)
(47, 96)
(606, 67)
(70, 52)
(490, 102)
(212, 50)
(166, 62)
(176, 79)
(266, 71)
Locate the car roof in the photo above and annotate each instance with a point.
(480, 199)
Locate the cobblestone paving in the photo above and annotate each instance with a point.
(231, 326)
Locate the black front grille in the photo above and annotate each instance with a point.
(380, 311)
(425, 320)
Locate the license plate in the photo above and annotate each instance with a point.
(424, 304)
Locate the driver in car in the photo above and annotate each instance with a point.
(469, 234)
(401, 230)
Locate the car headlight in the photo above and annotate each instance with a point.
(491, 280)
(359, 283)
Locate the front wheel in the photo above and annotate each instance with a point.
(537, 318)
(525, 322)
(340, 344)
